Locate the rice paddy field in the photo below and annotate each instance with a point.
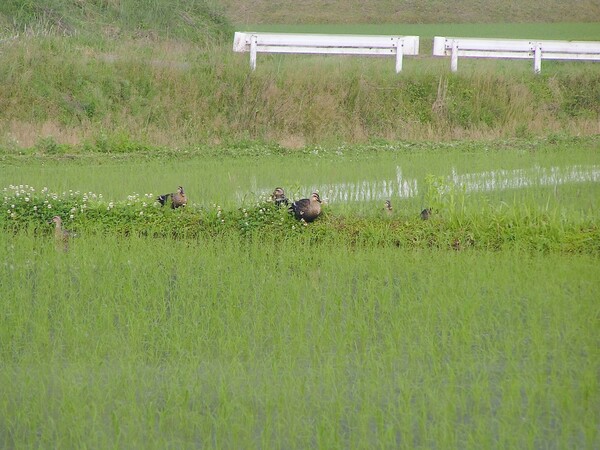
(329, 335)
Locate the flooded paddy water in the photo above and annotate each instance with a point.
(344, 179)
(403, 186)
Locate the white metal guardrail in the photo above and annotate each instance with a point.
(329, 44)
(514, 48)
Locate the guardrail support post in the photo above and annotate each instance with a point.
(253, 44)
(399, 54)
(537, 57)
(454, 56)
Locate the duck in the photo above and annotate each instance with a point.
(177, 198)
(61, 236)
(388, 208)
(426, 213)
(307, 209)
(278, 196)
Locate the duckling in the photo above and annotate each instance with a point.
(177, 198)
(278, 196)
(307, 209)
(61, 236)
(426, 213)
(388, 208)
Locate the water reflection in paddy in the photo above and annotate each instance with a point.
(492, 180)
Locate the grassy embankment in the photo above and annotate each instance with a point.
(164, 79)
(348, 12)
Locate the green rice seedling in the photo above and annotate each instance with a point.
(287, 342)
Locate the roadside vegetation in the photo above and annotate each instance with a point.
(145, 77)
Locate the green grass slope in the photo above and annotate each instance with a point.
(194, 20)
(119, 75)
(411, 11)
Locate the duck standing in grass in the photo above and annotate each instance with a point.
(278, 196)
(388, 208)
(61, 236)
(426, 213)
(177, 198)
(307, 209)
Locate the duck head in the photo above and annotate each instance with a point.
(56, 219)
(277, 193)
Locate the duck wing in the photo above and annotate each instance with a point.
(178, 200)
(281, 201)
(300, 207)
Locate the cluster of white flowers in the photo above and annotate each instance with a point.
(144, 200)
(21, 190)
(15, 194)
(24, 199)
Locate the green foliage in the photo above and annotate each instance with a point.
(49, 146)
(118, 142)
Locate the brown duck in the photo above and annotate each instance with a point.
(426, 213)
(177, 198)
(61, 236)
(278, 196)
(307, 209)
(388, 208)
